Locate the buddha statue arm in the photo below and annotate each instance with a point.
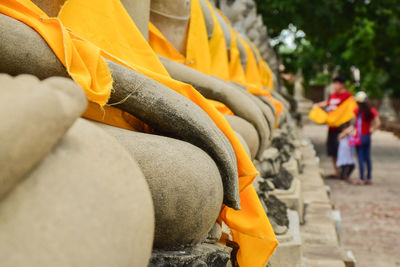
(213, 88)
(162, 108)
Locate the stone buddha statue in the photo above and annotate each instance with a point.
(185, 180)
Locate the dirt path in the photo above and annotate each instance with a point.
(370, 214)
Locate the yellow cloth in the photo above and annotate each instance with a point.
(252, 73)
(235, 65)
(254, 79)
(218, 51)
(267, 75)
(343, 114)
(318, 115)
(221, 107)
(250, 226)
(81, 59)
(162, 47)
(259, 241)
(335, 118)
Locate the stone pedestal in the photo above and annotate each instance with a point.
(289, 251)
(292, 198)
(212, 255)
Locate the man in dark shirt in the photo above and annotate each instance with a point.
(339, 95)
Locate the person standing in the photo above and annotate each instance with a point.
(366, 122)
(339, 95)
(346, 161)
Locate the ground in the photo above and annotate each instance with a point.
(370, 225)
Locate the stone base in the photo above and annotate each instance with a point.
(289, 251)
(292, 198)
(214, 255)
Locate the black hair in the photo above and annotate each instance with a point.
(339, 79)
(365, 111)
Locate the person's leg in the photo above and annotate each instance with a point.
(360, 157)
(335, 168)
(367, 154)
(342, 172)
(350, 169)
(332, 145)
(346, 170)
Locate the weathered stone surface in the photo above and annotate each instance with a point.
(238, 100)
(19, 57)
(214, 234)
(276, 210)
(202, 255)
(51, 8)
(291, 166)
(185, 184)
(267, 112)
(292, 197)
(247, 131)
(175, 115)
(86, 204)
(283, 180)
(208, 18)
(244, 144)
(289, 252)
(139, 11)
(34, 116)
(172, 17)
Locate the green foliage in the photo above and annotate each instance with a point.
(340, 34)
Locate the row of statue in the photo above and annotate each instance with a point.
(154, 171)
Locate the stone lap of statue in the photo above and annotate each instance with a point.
(77, 193)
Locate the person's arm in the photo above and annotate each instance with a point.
(346, 131)
(322, 104)
(375, 124)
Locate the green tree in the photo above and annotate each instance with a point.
(340, 34)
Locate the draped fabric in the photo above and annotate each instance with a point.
(254, 78)
(218, 52)
(197, 49)
(221, 107)
(335, 118)
(267, 75)
(81, 59)
(235, 65)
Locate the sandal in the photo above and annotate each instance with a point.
(368, 182)
(359, 182)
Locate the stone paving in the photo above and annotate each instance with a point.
(370, 225)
